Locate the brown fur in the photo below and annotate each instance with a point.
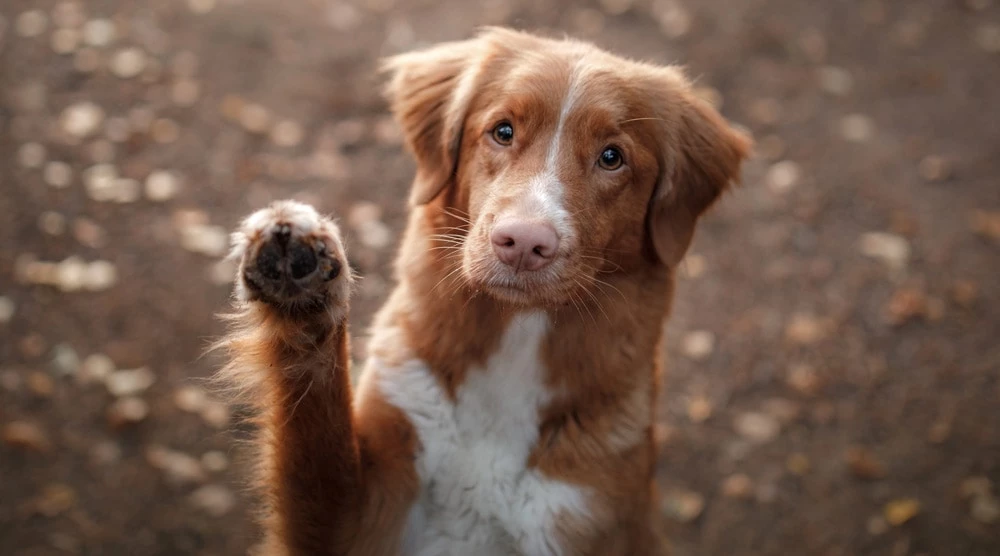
(341, 476)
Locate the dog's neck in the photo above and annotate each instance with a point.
(598, 344)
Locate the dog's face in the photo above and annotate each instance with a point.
(563, 161)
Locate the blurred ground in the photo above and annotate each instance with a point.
(834, 353)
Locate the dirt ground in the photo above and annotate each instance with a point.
(834, 354)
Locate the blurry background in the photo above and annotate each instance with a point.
(835, 348)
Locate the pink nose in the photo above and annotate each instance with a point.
(523, 244)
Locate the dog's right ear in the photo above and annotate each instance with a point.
(429, 92)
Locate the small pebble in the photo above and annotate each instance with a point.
(212, 241)
(757, 427)
(699, 409)
(877, 525)
(99, 181)
(65, 361)
(68, 14)
(738, 486)
(683, 506)
(215, 500)
(99, 32)
(342, 16)
(69, 274)
(765, 111)
(221, 273)
(82, 119)
(255, 118)
(986, 223)
(27, 436)
(161, 185)
(57, 174)
(891, 249)
(698, 344)
(177, 466)
(88, 233)
(215, 414)
(64, 41)
(898, 512)
(185, 92)
(673, 17)
(857, 128)
(128, 62)
(835, 81)
(55, 499)
(934, 169)
(127, 411)
(129, 382)
(987, 37)
(7, 309)
(985, 509)
(287, 133)
(214, 461)
(805, 329)
(52, 223)
(694, 265)
(31, 23)
(95, 368)
(783, 176)
(201, 6)
(40, 384)
(31, 155)
(977, 485)
(190, 399)
(803, 379)
(100, 276)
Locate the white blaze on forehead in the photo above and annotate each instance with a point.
(547, 191)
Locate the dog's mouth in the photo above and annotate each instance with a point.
(527, 289)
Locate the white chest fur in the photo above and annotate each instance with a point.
(477, 495)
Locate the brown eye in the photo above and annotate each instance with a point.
(611, 159)
(503, 133)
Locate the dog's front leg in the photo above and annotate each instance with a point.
(290, 350)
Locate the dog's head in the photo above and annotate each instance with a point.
(567, 161)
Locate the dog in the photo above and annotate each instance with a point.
(507, 403)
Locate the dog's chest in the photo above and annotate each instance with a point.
(477, 493)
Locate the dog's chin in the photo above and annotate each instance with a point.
(520, 292)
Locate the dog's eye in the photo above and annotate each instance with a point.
(503, 133)
(611, 159)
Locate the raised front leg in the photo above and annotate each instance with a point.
(337, 473)
(289, 350)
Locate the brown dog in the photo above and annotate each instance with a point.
(508, 400)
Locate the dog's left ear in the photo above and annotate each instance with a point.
(429, 93)
(702, 158)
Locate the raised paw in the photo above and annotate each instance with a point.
(292, 258)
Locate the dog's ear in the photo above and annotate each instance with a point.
(701, 158)
(429, 93)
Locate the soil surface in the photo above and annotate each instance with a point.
(834, 352)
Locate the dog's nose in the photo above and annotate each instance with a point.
(524, 244)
